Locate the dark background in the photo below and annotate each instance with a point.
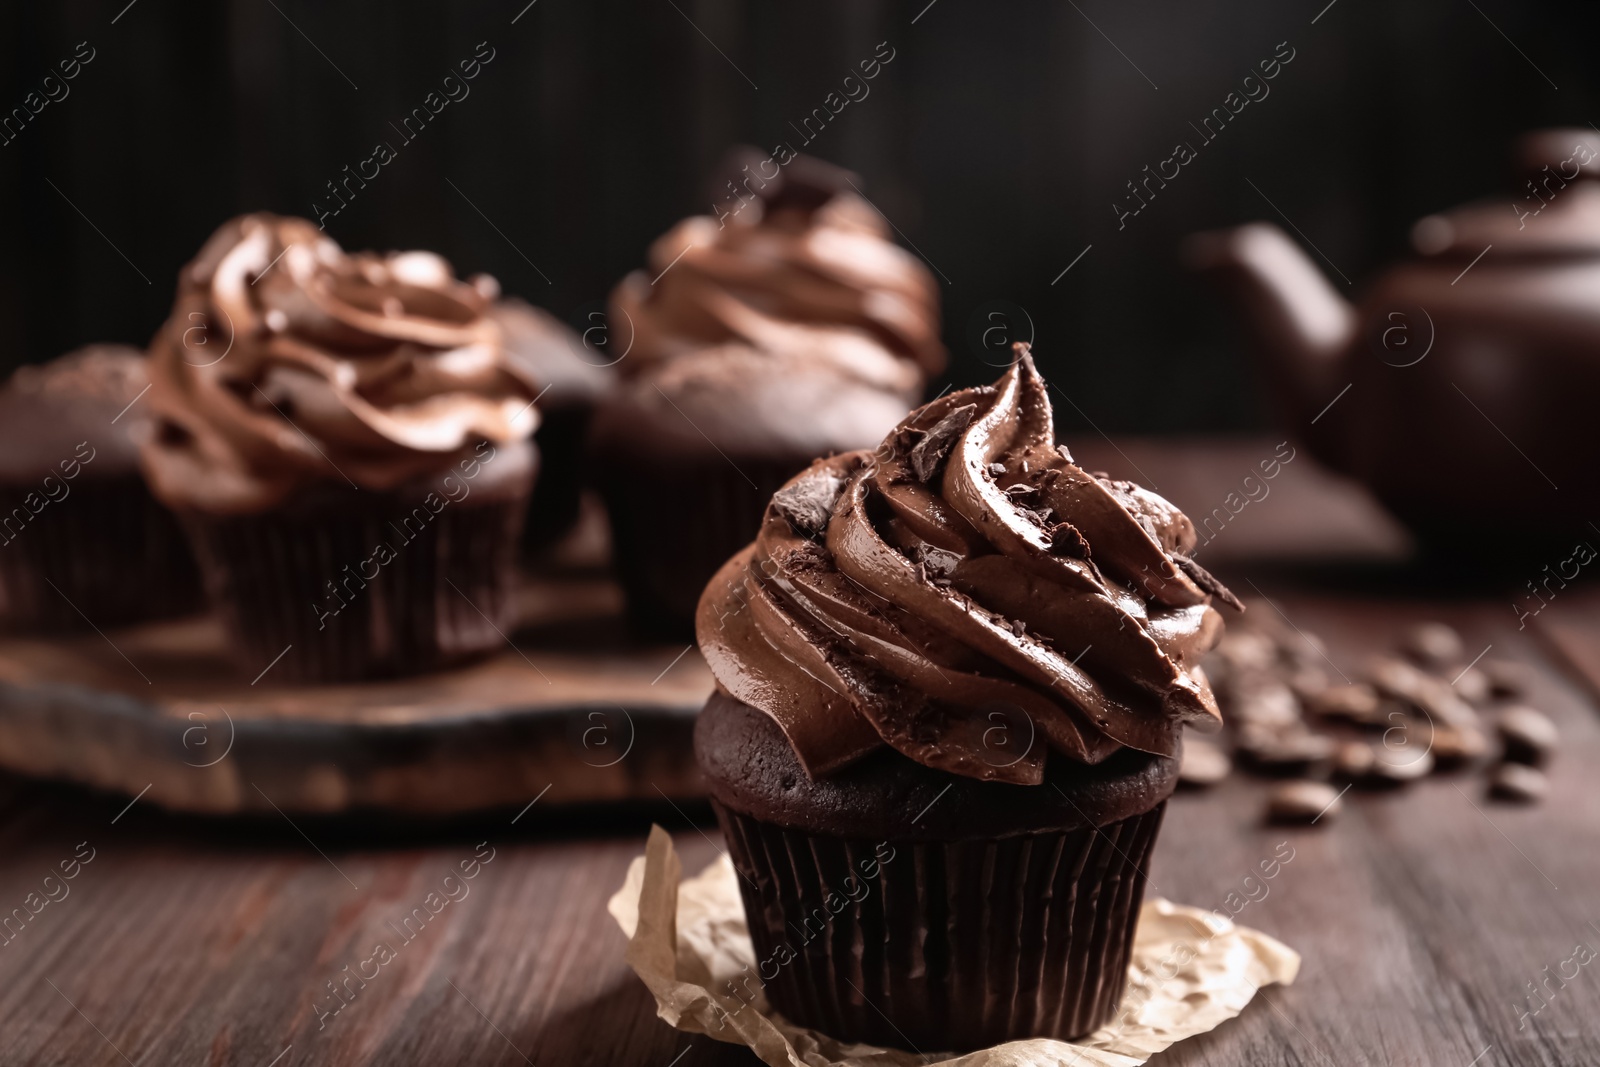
(996, 140)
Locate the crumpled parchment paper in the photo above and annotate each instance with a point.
(1191, 970)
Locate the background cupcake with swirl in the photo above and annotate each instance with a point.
(757, 340)
(347, 444)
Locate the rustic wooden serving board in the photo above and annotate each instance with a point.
(571, 713)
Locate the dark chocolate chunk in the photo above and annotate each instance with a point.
(1067, 540)
(936, 563)
(1528, 735)
(1507, 678)
(1207, 581)
(1518, 782)
(1303, 802)
(1295, 753)
(1204, 764)
(929, 454)
(807, 502)
(1356, 703)
(1434, 645)
(997, 469)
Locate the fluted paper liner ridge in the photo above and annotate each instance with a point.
(1191, 971)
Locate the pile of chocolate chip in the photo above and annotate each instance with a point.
(1292, 715)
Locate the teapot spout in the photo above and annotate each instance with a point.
(1299, 326)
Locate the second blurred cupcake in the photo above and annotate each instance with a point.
(82, 543)
(756, 341)
(347, 443)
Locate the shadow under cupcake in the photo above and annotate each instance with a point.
(347, 445)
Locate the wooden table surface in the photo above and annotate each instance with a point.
(1422, 916)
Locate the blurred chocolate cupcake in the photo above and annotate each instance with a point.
(82, 542)
(570, 387)
(347, 444)
(757, 340)
(952, 676)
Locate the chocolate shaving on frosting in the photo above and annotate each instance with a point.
(928, 455)
(806, 503)
(1207, 581)
(926, 603)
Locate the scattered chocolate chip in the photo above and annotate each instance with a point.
(1020, 490)
(1245, 650)
(1355, 703)
(1263, 700)
(929, 454)
(1528, 735)
(1018, 627)
(1354, 760)
(1204, 764)
(1455, 745)
(1507, 678)
(1518, 782)
(1303, 803)
(1206, 581)
(997, 469)
(1433, 644)
(1472, 685)
(1413, 688)
(1304, 649)
(1394, 677)
(1293, 753)
(806, 503)
(1309, 682)
(1401, 764)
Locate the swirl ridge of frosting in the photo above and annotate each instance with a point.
(803, 274)
(963, 581)
(287, 362)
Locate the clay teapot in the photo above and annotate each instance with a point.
(1464, 387)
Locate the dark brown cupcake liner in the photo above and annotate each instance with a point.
(673, 524)
(105, 555)
(311, 579)
(948, 946)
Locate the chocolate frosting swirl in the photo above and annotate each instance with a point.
(287, 362)
(805, 271)
(963, 580)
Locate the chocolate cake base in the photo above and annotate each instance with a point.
(105, 555)
(688, 456)
(953, 946)
(902, 906)
(342, 584)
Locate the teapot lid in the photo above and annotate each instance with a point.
(1554, 210)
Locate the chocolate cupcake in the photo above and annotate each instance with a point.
(757, 341)
(572, 379)
(82, 541)
(346, 442)
(952, 676)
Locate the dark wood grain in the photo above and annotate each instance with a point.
(1421, 915)
(573, 707)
